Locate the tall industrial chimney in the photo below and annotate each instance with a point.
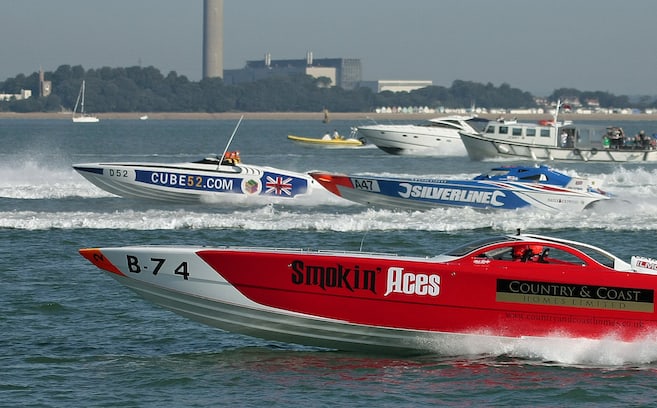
(213, 47)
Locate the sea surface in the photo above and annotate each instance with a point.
(72, 336)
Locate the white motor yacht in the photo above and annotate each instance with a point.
(437, 136)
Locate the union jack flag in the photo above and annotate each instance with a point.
(278, 185)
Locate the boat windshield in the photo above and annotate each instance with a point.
(449, 124)
(599, 255)
(478, 124)
(208, 160)
(471, 246)
(518, 174)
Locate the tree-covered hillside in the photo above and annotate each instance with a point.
(138, 89)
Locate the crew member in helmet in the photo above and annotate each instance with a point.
(536, 249)
(526, 253)
(537, 252)
(518, 252)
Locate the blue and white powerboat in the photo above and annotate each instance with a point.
(210, 179)
(508, 188)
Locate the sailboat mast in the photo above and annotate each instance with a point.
(82, 103)
(77, 102)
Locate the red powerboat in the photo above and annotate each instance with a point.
(510, 286)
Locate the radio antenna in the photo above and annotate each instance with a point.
(362, 241)
(230, 140)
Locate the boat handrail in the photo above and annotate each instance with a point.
(304, 250)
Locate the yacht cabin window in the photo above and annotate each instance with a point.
(516, 131)
(504, 130)
(545, 132)
(530, 132)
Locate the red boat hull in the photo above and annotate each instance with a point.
(376, 302)
(455, 298)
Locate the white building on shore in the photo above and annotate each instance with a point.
(25, 94)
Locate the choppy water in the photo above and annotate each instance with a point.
(73, 337)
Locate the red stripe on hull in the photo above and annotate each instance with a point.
(332, 181)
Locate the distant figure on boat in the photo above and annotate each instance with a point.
(231, 158)
(642, 141)
(336, 135)
(564, 138)
(616, 137)
(567, 139)
(326, 136)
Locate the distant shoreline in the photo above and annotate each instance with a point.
(319, 116)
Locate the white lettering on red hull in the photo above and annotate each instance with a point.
(410, 283)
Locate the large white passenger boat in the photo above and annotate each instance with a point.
(555, 141)
(438, 136)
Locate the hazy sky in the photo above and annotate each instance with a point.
(534, 45)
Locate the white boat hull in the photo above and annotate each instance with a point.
(438, 137)
(481, 148)
(194, 182)
(85, 119)
(400, 140)
(552, 202)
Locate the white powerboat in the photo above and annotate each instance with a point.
(212, 178)
(438, 136)
(209, 178)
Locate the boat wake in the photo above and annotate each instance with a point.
(571, 352)
(350, 218)
(37, 186)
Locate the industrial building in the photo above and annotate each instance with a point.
(342, 72)
(382, 85)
